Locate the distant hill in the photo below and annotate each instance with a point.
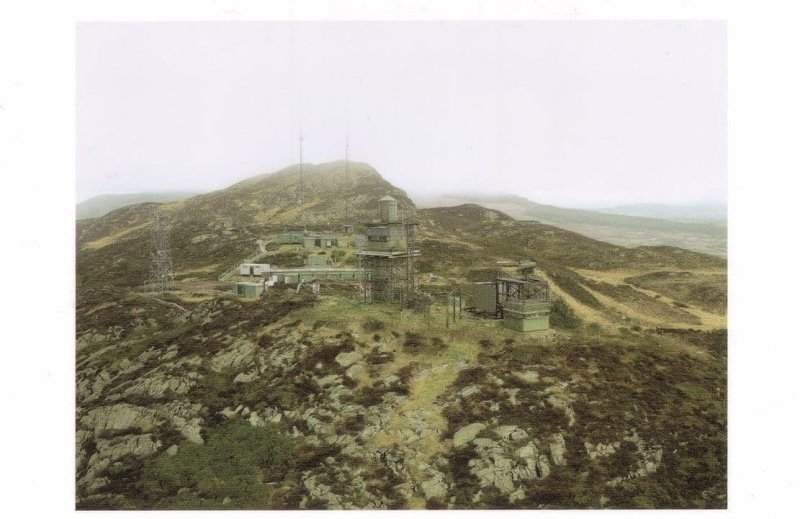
(701, 213)
(625, 230)
(104, 204)
(212, 233)
(216, 230)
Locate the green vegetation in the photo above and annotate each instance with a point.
(372, 324)
(562, 316)
(231, 470)
(616, 385)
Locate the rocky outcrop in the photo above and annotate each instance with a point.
(239, 355)
(507, 457)
(648, 462)
(108, 451)
(159, 385)
(601, 450)
(500, 465)
(120, 417)
(467, 433)
(140, 445)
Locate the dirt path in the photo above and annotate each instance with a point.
(416, 424)
(709, 320)
(583, 311)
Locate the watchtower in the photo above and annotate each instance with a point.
(388, 257)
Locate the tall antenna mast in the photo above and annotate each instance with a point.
(302, 194)
(347, 179)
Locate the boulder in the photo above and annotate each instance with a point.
(516, 495)
(529, 377)
(467, 433)
(245, 377)
(558, 448)
(349, 358)
(511, 432)
(355, 371)
(434, 487)
(328, 380)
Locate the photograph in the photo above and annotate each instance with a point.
(401, 264)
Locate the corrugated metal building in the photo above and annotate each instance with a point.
(484, 297)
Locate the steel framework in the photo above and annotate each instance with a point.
(390, 277)
(161, 276)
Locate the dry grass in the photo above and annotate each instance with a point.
(709, 320)
(107, 240)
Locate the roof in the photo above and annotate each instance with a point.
(387, 198)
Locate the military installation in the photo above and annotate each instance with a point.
(387, 272)
(386, 253)
(523, 303)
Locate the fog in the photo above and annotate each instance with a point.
(567, 113)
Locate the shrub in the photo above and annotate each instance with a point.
(413, 340)
(562, 315)
(593, 329)
(232, 463)
(372, 325)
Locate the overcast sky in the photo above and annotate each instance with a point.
(575, 114)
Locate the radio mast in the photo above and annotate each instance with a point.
(302, 194)
(347, 180)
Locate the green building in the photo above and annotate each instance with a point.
(318, 260)
(526, 316)
(291, 237)
(248, 289)
(522, 303)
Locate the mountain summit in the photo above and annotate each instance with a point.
(215, 230)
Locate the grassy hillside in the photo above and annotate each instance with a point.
(101, 205)
(300, 402)
(620, 229)
(215, 231)
(199, 399)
